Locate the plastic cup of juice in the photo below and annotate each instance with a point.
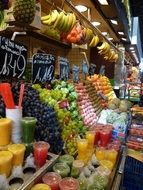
(82, 145)
(90, 137)
(40, 153)
(69, 183)
(28, 129)
(52, 179)
(5, 162)
(18, 151)
(111, 155)
(105, 137)
(40, 186)
(100, 153)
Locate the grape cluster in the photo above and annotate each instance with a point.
(2, 107)
(47, 128)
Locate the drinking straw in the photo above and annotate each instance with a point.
(21, 95)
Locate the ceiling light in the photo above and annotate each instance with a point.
(96, 23)
(133, 51)
(110, 39)
(103, 2)
(124, 39)
(104, 33)
(121, 33)
(114, 22)
(131, 48)
(81, 8)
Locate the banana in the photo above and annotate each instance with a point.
(58, 20)
(112, 53)
(64, 26)
(47, 17)
(105, 50)
(94, 41)
(103, 46)
(73, 21)
(88, 34)
(54, 15)
(48, 21)
(62, 21)
(70, 22)
(115, 58)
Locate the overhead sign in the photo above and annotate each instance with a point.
(63, 68)
(13, 58)
(43, 67)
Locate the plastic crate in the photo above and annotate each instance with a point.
(133, 166)
(133, 174)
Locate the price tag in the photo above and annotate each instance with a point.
(75, 71)
(13, 58)
(92, 69)
(43, 67)
(63, 68)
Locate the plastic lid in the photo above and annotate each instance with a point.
(16, 147)
(69, 183)
(51, 178)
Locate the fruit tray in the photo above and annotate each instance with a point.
(31, 175)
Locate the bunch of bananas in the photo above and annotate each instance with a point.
(108, 53)
(59, 20)
(94, 41)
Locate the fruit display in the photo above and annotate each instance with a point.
(50, 31)
(76, 35)
(94, 41)
(24, 11)
(47, 127)
(63, 99)
(85, 106)
(59, 20)
(103, 85)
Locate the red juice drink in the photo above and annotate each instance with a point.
(69, 183)
(105, 137)
(40, 153)
(52, 179)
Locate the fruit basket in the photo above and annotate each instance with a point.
(31, 175)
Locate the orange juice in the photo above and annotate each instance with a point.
(111, 155)
(5, 162)
(18, 151)
(5, 131)
(82, 145)
(100, 153)
(90, 137)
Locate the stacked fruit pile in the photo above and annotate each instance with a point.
(47, 128)
(86, 108)
(63, 99)
(102, 84)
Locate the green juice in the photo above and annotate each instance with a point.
(28, 129)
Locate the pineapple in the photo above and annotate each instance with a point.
(24, 11)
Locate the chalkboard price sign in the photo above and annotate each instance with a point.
(43, 67)
(75, 71)
(13, 58)
(63, 68)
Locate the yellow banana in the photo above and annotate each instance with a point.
(58, 20)
(54, 15)
(61, 23)
(94, 41)
(47, 17)
(73, 21)
(105, 50)
(64, 25)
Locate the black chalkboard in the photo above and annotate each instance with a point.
(13, 58)
(63, 68)
(43, 67)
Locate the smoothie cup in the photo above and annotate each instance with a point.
(105, 137)
(90, 137)
(18, 151)
(5, 131)
(69, 184)
(100, 153)
(52, 179)
(40, 153)
(5, 163)
(28, 129)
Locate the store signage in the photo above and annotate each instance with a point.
(75, 71)
(43, 67)
(13, 58)
(63, 68)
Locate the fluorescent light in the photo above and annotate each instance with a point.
(95, 23)
(131, 48)
(133, 51)
(104, 33)
(81, 8)
(114, 21)
(103, 2)
(121, 33)
(124, 39)
(110, 39)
